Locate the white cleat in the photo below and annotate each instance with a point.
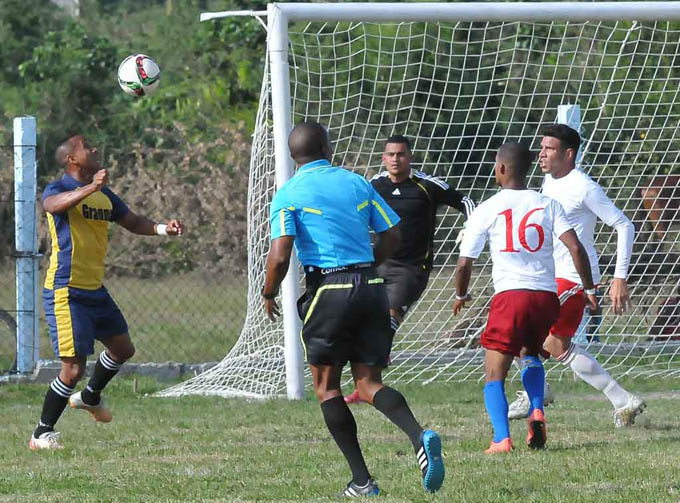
(99, 413)
(548, 396)
(519, 409)
(625, 416)
(48, 440)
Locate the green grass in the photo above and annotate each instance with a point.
(201, 449)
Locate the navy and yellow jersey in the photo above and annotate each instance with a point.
(80, 236)
(330, 212)
(415, 200)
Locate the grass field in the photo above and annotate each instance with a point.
(201, 449)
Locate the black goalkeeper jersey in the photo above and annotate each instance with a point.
(415, 200)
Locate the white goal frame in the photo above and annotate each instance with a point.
(279, 15)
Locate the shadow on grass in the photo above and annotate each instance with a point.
(577, 446)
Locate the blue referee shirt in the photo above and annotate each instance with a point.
(330, 211)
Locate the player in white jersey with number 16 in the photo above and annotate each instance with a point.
(519, 224)
(584, 202)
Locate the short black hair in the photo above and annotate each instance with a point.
(568, 136)
(517, 156)
(398, 138)
(307, 140)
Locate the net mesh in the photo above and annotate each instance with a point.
(459, 91)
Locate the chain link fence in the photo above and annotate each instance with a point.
(188, 318)
(184, 298)
(8, 343)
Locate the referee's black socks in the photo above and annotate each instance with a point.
(393, 404)
(340, 422)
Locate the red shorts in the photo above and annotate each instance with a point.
(520, 318)
(572, 305)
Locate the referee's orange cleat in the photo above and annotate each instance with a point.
(99, 413)
(537, 435)
(504, 445)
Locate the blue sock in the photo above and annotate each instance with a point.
(497, 408)
(533, 380)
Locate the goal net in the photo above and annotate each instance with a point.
(459, 90)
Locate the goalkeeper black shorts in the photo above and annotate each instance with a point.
(405, 283)
(346, 318)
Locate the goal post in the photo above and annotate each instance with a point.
(459, 79)
(284, 168)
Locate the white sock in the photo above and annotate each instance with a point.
(590, 370)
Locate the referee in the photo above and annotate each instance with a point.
(327, 213)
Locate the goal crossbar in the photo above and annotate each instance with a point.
(476, 11)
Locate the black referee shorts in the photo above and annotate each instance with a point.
(346, 318)
(405, 283)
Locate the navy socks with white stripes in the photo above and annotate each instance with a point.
(394, 323)
(55, 402)
(58, 394)
(104, 370)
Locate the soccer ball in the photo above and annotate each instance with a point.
(138, 75)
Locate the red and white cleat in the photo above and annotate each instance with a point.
(99, 413)
(48, 440)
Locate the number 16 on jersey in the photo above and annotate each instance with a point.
(522, 232)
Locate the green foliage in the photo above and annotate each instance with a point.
(63, 71)
(23, 24)
(68, 78)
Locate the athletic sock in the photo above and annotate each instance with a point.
(343, 428)
(104, 370)
(590, 370)
(533, 380)
(497, 408)
(393, 405)
(394, 323)
(55, 402)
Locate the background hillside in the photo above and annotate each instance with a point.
(184, 151)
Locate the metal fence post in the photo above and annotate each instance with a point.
(26, 242)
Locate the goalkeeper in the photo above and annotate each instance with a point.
(327, 213)
(415, 197)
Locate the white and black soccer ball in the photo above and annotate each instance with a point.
(139, 75)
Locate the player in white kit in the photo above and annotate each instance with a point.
(519, 224)
(584, 202)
